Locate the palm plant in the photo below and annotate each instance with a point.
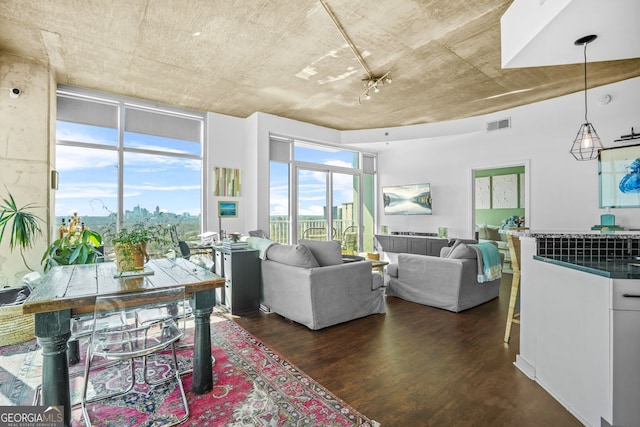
(24, 225)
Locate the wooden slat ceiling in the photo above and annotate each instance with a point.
(287, 58)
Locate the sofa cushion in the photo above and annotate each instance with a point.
(463, 251)
(446, 251)
(296, 255)
(326, 253)
(377, 281)
(392, 270)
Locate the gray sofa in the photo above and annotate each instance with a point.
(309, 284)
(447, 282)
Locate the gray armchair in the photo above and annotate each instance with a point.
(319, 291)
(447, 282)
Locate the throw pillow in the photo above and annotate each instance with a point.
(493, 232)
(482, 231)
(296, 255)
(463, 251)
(258, 233)
(327, 253)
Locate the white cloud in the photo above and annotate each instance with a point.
(312, 210)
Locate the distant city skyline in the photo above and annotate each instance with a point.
(88, 176)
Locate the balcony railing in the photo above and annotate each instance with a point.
(314, 229)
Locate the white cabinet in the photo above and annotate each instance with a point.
(580, 340)
(625, 352)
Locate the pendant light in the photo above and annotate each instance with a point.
(587, 144)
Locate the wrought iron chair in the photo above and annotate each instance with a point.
(180, 247)
(132, 340)
(350, 240)
(316, 233)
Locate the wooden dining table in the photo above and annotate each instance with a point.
(67, 291)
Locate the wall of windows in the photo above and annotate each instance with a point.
(306, 179)
(123, 161)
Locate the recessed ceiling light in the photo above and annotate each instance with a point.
(196, 34)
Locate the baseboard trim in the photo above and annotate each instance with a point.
(527, 368)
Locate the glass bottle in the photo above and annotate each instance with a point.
(62, 230)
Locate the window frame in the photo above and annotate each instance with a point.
(364, 167)
(121, 104)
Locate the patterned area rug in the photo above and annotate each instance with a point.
(253, 386)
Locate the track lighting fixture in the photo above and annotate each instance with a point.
(373, 84)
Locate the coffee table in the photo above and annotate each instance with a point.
(378, 265)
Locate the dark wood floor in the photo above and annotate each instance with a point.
(419, 366)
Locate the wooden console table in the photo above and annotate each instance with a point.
(412, 244)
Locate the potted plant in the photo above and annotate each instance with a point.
(24, 225)
(130, 245)
(24, 229)
(83, 248)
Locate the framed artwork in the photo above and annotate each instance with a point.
(227, 209)
(483, 192)
(505, 191)
(226, 182)
(619, 177)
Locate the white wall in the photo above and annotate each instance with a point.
(261, 126)
(244, 144)
(563, 191)
(226, 148)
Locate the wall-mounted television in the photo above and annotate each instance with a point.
(411, 199)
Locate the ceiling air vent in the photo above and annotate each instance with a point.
(499, 124)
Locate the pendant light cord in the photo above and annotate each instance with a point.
(585, 83)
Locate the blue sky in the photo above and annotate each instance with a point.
(88, 177)
(312, 184)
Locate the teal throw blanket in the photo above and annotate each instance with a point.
(261, 244)
(489, 265)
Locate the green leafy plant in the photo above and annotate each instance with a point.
(69, 250)
(130, 244)
(24, 225)
(139, 233)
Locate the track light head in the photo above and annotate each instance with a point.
(373, 83)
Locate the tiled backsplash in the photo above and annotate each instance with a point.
(589, 247)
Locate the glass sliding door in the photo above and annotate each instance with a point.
(345, 212)
(312, 205)
(321, 192)
(279, 190)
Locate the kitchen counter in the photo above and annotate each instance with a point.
(611, 268)
(579, 314)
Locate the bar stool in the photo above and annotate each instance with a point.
(132, 340)
(514, 251)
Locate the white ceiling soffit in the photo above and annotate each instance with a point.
(542, 32)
